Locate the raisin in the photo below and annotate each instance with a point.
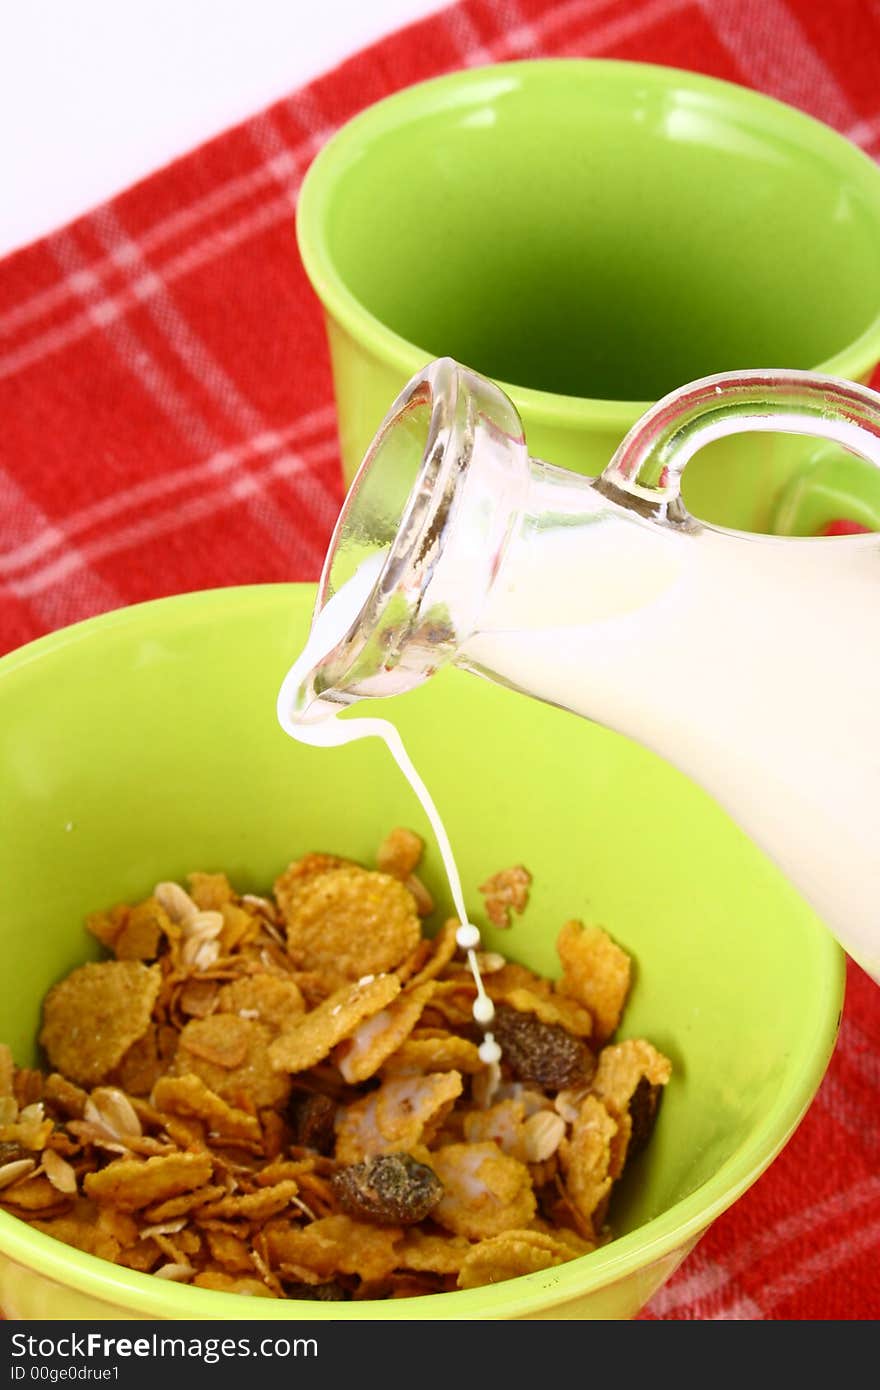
(391, 1190)
(642, 1113)
(545, 1053)
(318, 1293)
(10, 1153)
(312, 1118)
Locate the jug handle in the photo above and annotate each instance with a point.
(649, 461)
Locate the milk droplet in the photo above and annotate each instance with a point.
(468, 936)
(483, 1010)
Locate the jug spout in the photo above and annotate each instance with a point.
(745, 660)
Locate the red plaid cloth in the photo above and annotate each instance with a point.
(168, 425)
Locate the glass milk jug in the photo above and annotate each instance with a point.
(751, 662)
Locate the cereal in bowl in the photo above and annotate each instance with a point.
(283, 1096)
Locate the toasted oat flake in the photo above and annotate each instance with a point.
(178, 1273)
(110, 1108)
(59, 1172)
(176, 901)
(543, 1133)
(14, 1171)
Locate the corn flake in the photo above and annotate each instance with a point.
(289, 884)
(312, 1038)
(335, 1245)
(188, 1095)
(230, 1251)
(509, 1255)
(81, 1232)
(595, 972)
(402, 1113)
(443, 948)
(502, 1124)
(94, 1015)
(448, 1052)
(399, 853)
(587, 1159)
(268, 998)
(361, 1055)
(231, 1055)
(558, 1009)
(252, 1206)
(485, 1191)
(143, 929)
(210, 892)
(506, 892)
(131, 1183)
(352, 922)
(424, 1252)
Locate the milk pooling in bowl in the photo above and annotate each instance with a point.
(316, 723)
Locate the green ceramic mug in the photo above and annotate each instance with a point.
(591, 234)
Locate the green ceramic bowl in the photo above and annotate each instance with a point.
(593, 234)
(144, 744)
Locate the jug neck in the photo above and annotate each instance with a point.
(448, 499)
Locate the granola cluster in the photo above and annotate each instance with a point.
(282, 1096)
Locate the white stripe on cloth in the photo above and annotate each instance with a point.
(702, 1278)
(233, 190)
(245, 489)
(45, 538)
(865, 132)
(848, 1110)
(463, 33)
(816, 1266)
(89, 593)
(156, 382)
(203, 367)
(596, 38)
(773, 52)
(114, 307)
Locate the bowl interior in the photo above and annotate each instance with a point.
(144, 744)
(598, 229)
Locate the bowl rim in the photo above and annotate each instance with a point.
(777, 119)
(675, 1229)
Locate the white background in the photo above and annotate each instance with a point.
(94, 94)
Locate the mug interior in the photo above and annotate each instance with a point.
(602, 230)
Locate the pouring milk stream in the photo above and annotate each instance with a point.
(748, 661)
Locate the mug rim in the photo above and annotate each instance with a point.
(854, 361)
